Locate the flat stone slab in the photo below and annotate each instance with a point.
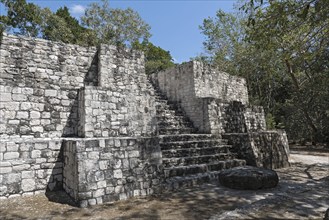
(248, 177)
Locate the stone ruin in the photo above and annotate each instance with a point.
(90, 122)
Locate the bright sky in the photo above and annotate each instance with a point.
(174, 24)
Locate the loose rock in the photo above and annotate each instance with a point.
(248, 177)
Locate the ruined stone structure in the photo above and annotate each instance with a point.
(90, 122)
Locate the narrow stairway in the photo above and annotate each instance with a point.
(188, 158)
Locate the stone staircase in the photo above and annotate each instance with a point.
(188, 158)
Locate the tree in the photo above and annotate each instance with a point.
(55, 28)
(281, 47)
(115, 26)
(299, 37)
(156, 58)
(22, 17)
(30, 20)
(61, 26)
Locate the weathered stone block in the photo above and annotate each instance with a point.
(19, 97)
(4, 170)
(35, 154)
(5, 97)
(117, 174)
(50, 92)
(28, 174)
(28, 185)
(10, 155)
(22, 115)
(12, 178)
(34, 114)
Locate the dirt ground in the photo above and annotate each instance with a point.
(302, 193)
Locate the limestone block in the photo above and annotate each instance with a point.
(35, 154)
(5, 97)
(18, 97)
(40, 146)
(28, 174)
(11, 155)
(4, 170)
(12, 146)
(92, 201)
(50, 92)
(45, 115)
(22, 115)
(103, 165)
(117, 174)
(3, 190)
(13, 122)
(21, 167)
(34, 114)
(12, 178)
(132, 154)
(9, 105)
(93, 155)
(28, 185)
(35, 122)
(101, 184)
(38, 106)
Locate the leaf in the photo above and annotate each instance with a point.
(305, 11)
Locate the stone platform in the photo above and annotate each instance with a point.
(249, 177)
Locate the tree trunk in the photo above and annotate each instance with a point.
(296, 84)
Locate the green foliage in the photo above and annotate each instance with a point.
(61, 26)
(156, 59)
(270, 121)
(104, 25)
(282, 49)
(55, 28)
(30, 20)
(26, 17)
(115, 26)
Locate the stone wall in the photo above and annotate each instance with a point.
(267, 149)
(114, 112)
(37, 112)
(105, 170)
(234, 117)
(85, 119)
(215, 101)
(51, 90)
(123, 104)
(178, 85)
(39, 80)
(30, 166)
(40, 63)
(39, 87)
(210, 82)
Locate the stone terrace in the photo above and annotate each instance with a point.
(87, 120)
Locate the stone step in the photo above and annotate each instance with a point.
(193, 152)
(202, 168)
(204, 159)
(164, 103)
(160, 102)
(178, 182)
(174, 123)
(187, 137)
(171, 111)
(168, 145)
(168, 131)
(164, 117)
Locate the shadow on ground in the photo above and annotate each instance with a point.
(302, 193)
